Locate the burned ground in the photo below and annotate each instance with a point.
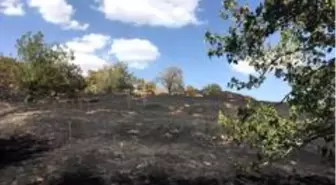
(167, 140)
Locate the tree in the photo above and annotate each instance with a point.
(304, 58)
(212, 90)
(140, 83)
(109, 79)
(191, 91)
(150, 87)
(123, 77)
(172, 79)
(46, 68)
(10, 71)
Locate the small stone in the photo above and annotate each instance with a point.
(293, 163)
(141, 165)
(197, 115)
(175, 131)
(132, 113)
(207, 163)
(168, 135)
(37, 180)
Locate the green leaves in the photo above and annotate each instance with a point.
(10, 71)
(46, 69)
(302, 57)
(212, 90)
(262, 128)
(112, 78)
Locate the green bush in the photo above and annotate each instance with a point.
(258, 123)
(46, 69)
(212, 90)
(191, 91)
(114, 78)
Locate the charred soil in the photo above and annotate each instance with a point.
(166, 140)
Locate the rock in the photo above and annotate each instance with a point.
(132, 113)
(196, 115)
(133, 131)
(175, 131)
(293, 162)
(207, 163)
(37, 180)
(228, 105)
(168, 135)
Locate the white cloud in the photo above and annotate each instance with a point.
(91, 52)
(86, 50)
(89, 61)
(89, 43)
(168, 13)
(137, 53)
(243, 67)
(58, 12)
(12, 7)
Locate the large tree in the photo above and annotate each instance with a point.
(301, 54)
(172, 79)
(47, 68)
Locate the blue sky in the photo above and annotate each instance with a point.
(149, 36)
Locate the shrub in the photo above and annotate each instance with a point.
(46, 69)
(191, 91)
(150, 87)
(212, 90)
(114, 78)
(259, 123)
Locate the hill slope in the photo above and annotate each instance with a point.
(167, 140)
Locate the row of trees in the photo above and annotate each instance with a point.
(43, 69)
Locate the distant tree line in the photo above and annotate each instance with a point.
(45, 70)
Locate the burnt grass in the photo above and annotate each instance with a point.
(167, 141)
(19, 148)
